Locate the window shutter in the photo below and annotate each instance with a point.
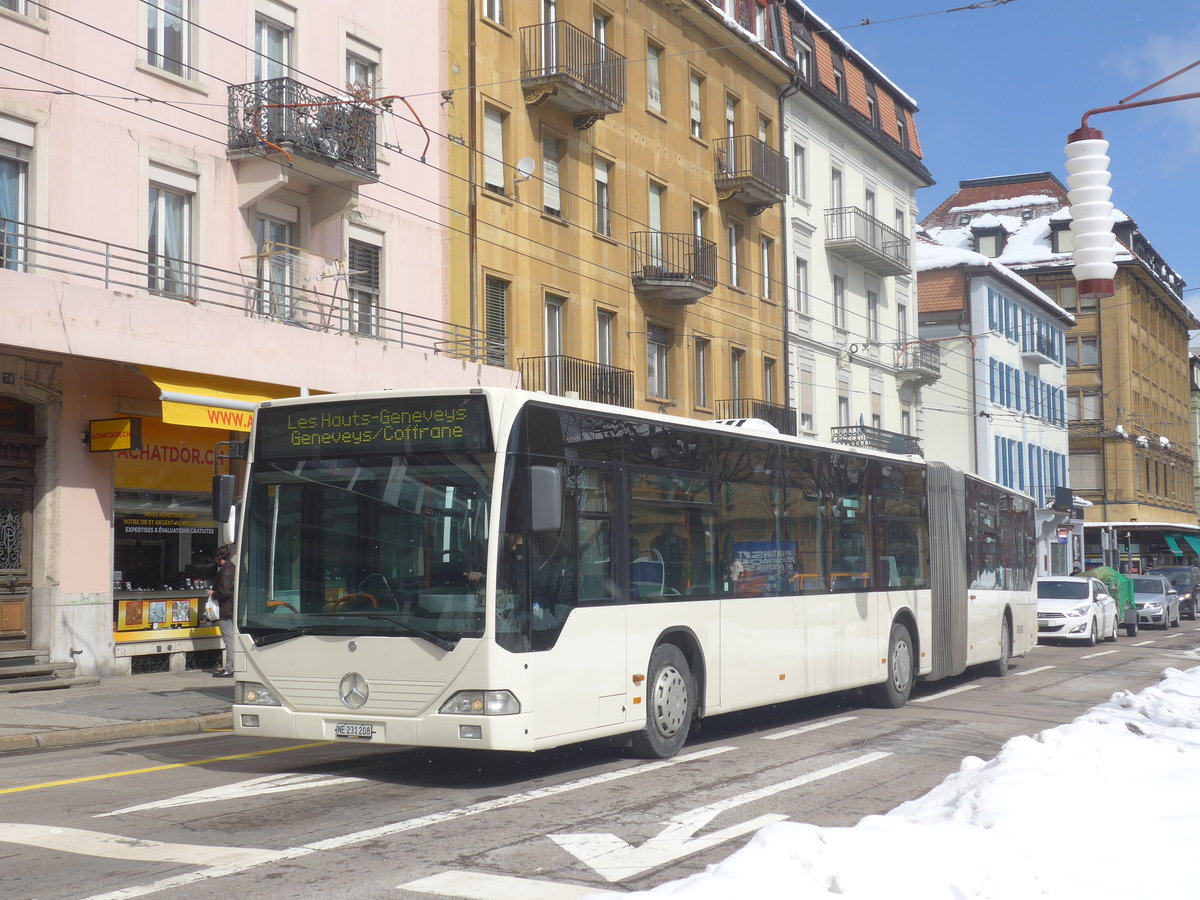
(551, 196)
(493, 149)
(496, 319)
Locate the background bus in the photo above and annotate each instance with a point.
(506, 570)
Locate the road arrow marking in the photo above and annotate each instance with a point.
(946, 693)
(255, 787)
(482, 886)
(615, 860)
(115, 846)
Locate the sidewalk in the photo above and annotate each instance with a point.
(119, 707)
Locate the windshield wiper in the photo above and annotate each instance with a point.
(276, 637)
(439, 642)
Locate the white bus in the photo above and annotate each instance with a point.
(493, 568)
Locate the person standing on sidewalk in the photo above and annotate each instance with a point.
(222, 592)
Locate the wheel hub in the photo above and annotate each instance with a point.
(670, 699)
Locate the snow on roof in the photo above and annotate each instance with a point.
(1009, 203)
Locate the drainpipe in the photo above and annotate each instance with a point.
(472, 200)
(787, 91)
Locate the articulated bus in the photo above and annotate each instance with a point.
(499, 569)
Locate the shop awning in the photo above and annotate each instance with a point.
(1173, 543)
(211, 401)
(1193, 542)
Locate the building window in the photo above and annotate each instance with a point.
(902, 127)
(1084, 406)
(169, 237)
(1082, 351)
(839, 301)
(273, 238)
(737, 359)
(902, 323)
(603, 208)
(1060, 238)
(167, 36)
(658, 344)
(653, 79)
(551, 192)
(495, 319)
(804, 56)
(843, 404)
(799, 172)
(873, 315)
(702, 347)
(364, 260)
(989, 243)
(806, 397)
(872, 105)
(362, 67)
(14, 174)
(696, 104)
(604, 337)
(768, 251)
(494, 122)
(494, 10)
(836, 195)
(272, 48)
(733, 233)
(802, 301)
(1087, 473)
(553, 312)
(768, 380)
(839, 76)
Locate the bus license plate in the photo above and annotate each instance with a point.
(353, 730)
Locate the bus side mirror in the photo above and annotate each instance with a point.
(223, 487)
(545, 498)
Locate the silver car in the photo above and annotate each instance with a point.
(1157, 601)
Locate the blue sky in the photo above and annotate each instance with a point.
(1000, 88)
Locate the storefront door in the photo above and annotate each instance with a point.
(16, 537)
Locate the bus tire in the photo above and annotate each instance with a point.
(670, 705)
(893, 693)
(998, 668)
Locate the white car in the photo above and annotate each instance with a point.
(1075, 609)
(1157, 601)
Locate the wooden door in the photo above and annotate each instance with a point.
(16, 538)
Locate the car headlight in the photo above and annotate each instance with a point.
(251, 693)
(1080, 610)
(481, 703)
(1156, 606)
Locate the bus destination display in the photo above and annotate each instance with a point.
(445, 424)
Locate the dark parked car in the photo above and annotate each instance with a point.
(1186, 581)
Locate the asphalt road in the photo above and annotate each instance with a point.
(216, 815)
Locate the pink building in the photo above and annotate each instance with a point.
(202, 205)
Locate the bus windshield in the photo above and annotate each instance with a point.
(366, 545)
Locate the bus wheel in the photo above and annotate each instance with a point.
(670, 704)
(998, 668)
(893, 693)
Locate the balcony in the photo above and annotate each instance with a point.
(746, 168)
(781, 417)
(673, 268)
(919, 361)
(566, 376)
(1037, 348)
(328, 138)
(572, 69)
(274, 285)
(860, 238)
(876, 439)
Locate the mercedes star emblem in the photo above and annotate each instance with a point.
(354, 690)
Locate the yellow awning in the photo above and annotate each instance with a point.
(210, 401)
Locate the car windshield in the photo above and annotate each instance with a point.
(1147, 586)
(1063, 590)
(1179, 577)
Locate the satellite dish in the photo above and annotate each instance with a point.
(525, 166)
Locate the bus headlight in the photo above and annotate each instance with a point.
(481, 703)
(251, 693)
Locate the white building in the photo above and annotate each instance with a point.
(856, 164)
(999, 409)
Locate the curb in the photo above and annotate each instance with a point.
(101, 733)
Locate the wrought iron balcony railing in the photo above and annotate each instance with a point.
(291, 115)
(675, 268)
(567, 376)
(919, 361)
(584, 76)
(876, 439)
(268, 288)
(780, 416)
(751, 170)
(857, 236)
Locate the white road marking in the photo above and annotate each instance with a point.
(1032, 671)
(255, 787)
(479, 886)
(1141, 643)
(114, 846)
(957, 690)
(359, 837)
(804, 728)
(615, 860)
(1101, 653)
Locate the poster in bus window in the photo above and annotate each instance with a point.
(763, 567)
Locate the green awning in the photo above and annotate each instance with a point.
(1193, 542)
(1171, 542)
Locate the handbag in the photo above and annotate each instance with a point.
(212, 611)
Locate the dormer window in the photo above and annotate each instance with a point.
(873, 104)
(989, 241)
(802, 44)
(1060, 237)
(839, 76)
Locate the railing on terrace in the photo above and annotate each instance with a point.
(269, 292)
(861, 237)
(780, 416)
(559, 53)
(298, 118)
(560, 375)
(876, 439)
(748, 165)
